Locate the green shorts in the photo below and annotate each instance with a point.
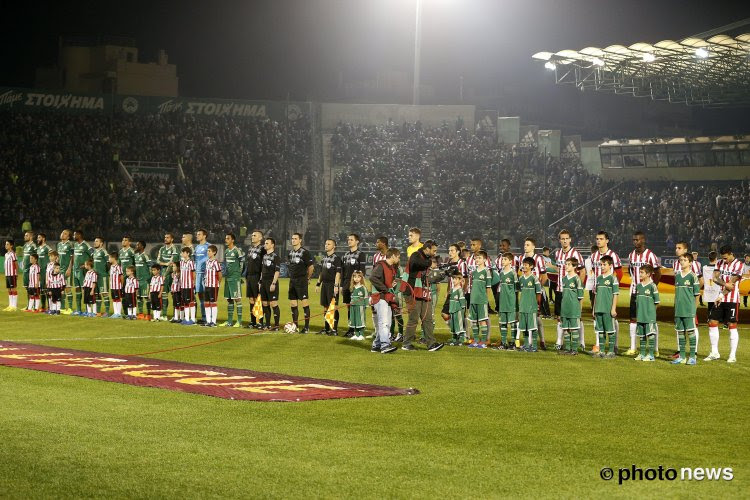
(143, 287)
(68, 279)
(102, 284)
(478, 312)
(604, 323)
(507, 317)
(79, 275)
(527, 322)
(167, 275)
(643, 329)
(232, 289)
(570, 323)
(26, 279)
(682, 324)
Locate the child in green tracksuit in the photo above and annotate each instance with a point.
(357, 306)
(457, 309)
(570, 307)
(529, 303)
(605, 308)
(507, 301)
(687, 289)
(647, 299)
(481, 287)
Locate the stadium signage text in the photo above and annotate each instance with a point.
(212, 108)
(227, 383)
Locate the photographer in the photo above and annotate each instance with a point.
(418, 291)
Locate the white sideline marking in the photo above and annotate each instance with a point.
(135, 338)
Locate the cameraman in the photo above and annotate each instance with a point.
(419, 290)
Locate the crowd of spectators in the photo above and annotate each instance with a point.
(481, 189)
(60, 170)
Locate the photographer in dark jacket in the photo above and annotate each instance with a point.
(418, 294)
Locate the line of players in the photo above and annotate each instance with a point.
(82, 267)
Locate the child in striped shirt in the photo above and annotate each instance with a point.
(130, 295)
(115, 284)
(176, 295)
(89, 289)
(35, 290)
(154, 290)
(56, 285)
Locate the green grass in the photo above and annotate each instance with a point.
(486, 424)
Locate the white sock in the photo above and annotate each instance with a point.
(633, 327)
(696, 340)
(656, 339)
(93, 308)
(559, 334)
(734, 339)
(215, 314)
(581, 341)
(713, 337)
(191, 316)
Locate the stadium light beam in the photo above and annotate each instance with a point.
(701, 53)
(550, 65)
(648, 58)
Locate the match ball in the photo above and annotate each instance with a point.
(290, 328)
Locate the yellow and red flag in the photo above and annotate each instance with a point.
(331, 313)
(258, 308)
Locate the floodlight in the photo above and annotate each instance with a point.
(649, 58)
(550, 65)
(701, 53)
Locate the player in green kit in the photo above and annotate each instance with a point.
(605, 308)
(29, 248)
(168, 254)
(506, 302)
(687, 289)
(126, 255)
(42, 252)
(234, 261)
(647, 299)
(481, 287)
(101, 259)
(65, 251)
(529, 304)
(81, 254)
(570, 306)
(457, 310)
(143, 275)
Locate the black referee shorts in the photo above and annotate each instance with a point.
(633, 308)
(297, 289)
(266, 295)
(326, 294)
(253, 285)
(347, 296)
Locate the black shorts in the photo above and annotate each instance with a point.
(266, 295)
(253, 286)
(211, 294)
(297, 289)
(129, 300)
(116, 293)
(346, 296)
(188, 297)
(177, 300)
(88, 296)
(11, 282)
(35, 292)
(326, 294)
(155, 301)
(726, 312)
(55, 293)
(447, 306)
(558, 303)
(633, 311)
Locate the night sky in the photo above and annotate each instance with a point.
(268, 49)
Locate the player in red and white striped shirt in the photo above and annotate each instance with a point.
(602, 249)
(639, 257)
(115, 284)
(155, 287)
(130, 293)
(176, 295)
(727, 275)
(11, 275)
(34, 288)
(562, 254)
(89, 289)
(211, 282)
(55, 285)
(540, 271)
(187, 285)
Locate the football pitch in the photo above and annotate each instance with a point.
(485, 424)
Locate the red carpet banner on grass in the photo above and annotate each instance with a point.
(227, 383)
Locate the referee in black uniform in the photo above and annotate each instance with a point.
(254, 260)
(353, 260)
(300, 270)
(269, 284)
(329, 284)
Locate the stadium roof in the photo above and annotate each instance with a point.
(712, 72)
